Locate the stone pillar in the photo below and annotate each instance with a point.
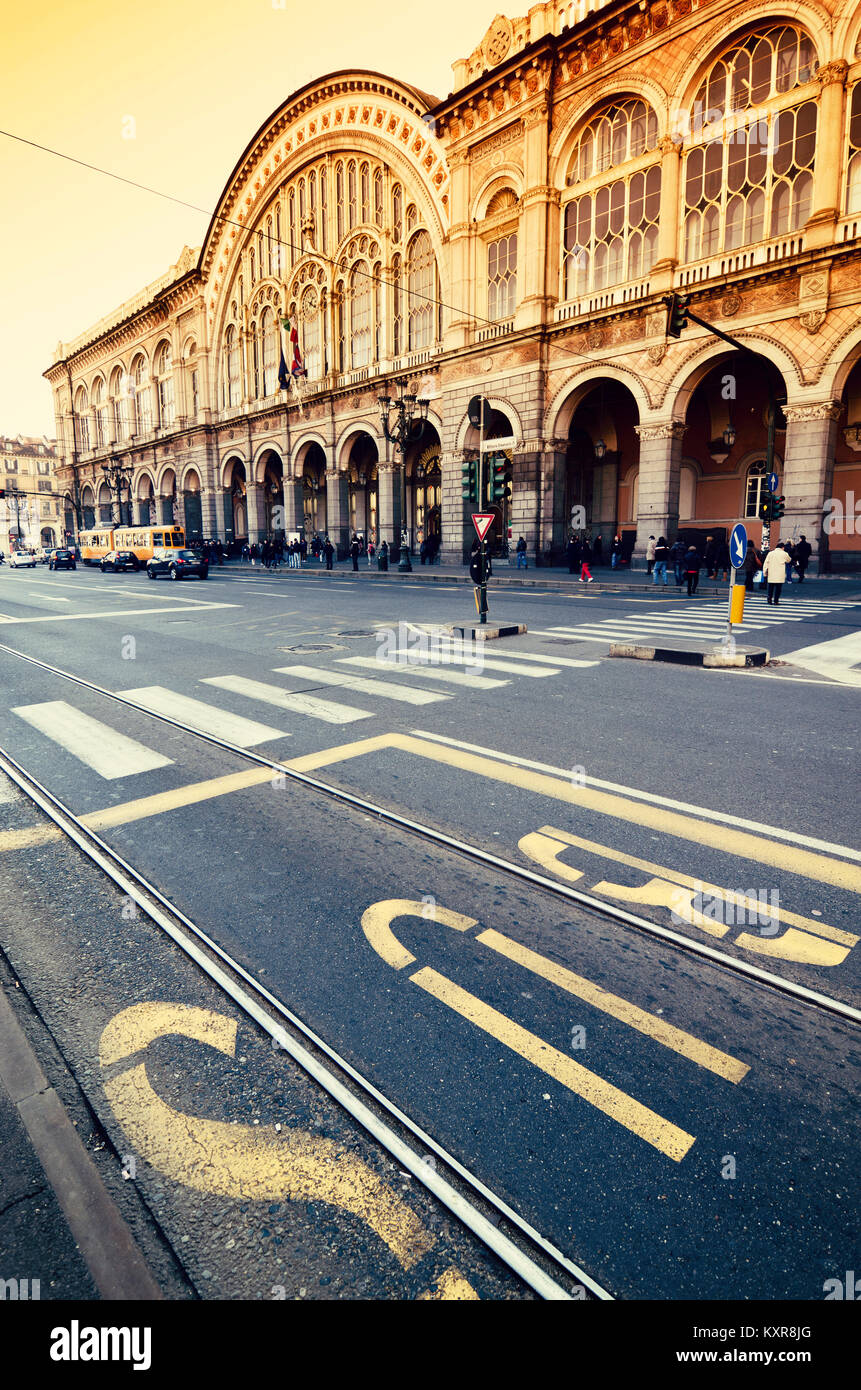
(660, 474)
(555, 524)
(389, 507)
(338, 510)
(209, 514)
(256, 510)
(830, 140)
(808, 468)
(661, 275)
(227, 533)
(294, 506)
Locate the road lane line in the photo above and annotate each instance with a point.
(120, 613)
(245, 733)
(327, 710)
(383, 690)
(50, 598)
(109, 753)
(411, 668)
(664, 1136)
(721, 1063)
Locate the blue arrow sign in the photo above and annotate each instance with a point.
(737, 546)
(773, 482)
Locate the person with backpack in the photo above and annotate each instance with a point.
(692, 563)
(521, 553)
(677, 555)
(661, 556)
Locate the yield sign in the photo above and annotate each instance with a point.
(482, 521)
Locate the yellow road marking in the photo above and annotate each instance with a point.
(242, 1161)
(668, 1138)
(653, 1027)
(451, 1285)
(377, 919)
(740, 843)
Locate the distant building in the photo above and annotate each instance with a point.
(517, 240)
(31, 507)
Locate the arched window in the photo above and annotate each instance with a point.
(853, 176)
(83, 419)
(397, 214)
(293, 249)
(397, 308)
(278, 249)
(365, 193)
(269, 352)
(252, 267)
(311, 315)
(750, 175)
(98, 395)
(232, 391)
(610, 233)
(164, 374)
(360, 316)
(756, 488)
(504, 198)
(120, 398)
(142, 396)
(339, 199)
(378, 197)
(351, 194)
(502, 277)
(421, 292)
(269, 246)
(324, 212)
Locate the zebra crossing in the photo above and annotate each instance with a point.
(707, 625)
(410, 679)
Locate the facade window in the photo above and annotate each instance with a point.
(397, 214)
(397, 308)
(365, 193)
(756, 488)
(853, 178)
(360, 317)
(502, 277)
(278, 249)
(612, 235)
(339, 199)
(351, 194)
(232, 378)
(620, 133)
(378, 197)
(142, 396)
(164, 372)
(269, 352)
(293, 248)
(119, 396)
(341, 313)
(421, 287)
(252, 267)
(195, 395)
(313, 309)
(83, 419)
(11, 465)
(751, 177)
(98, 412)
(323, 231)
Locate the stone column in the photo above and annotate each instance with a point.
(256, 509)
(458, 328)
(808, 468)
(830, 142)
(209, 514)
(661, 275)
(338, 510)
(660, 473)
(453, 509)
(389, 507)
(294, 506)
(555, 524)
(227, 532)
(532, 247)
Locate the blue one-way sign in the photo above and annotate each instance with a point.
(773, 482)
(737, 546)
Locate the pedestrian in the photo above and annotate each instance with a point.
(710, 557)
(774, 570)
(659, 560)
(790, 550)
(651, 547)
(752, 563)
(677, 555)
(692, 569)
(371, 551)
(597, 550)
(383, 557)
(616, 556)
(254, 553)
(303, 550)
(722, 558)
(328, 551)
(521, 553)
(803, 551)
(355, 550)
(585, 557)
(572, 552)
(423, 552)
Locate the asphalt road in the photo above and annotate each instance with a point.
(677, 1130)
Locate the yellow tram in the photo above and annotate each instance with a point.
(94, 545)
(143, 540)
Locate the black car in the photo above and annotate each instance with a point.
(62, 560)
(116, 560)
(176, 564)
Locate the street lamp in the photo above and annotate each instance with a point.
(115, 475)
(600, 449)
(407, 427)
(729, 436)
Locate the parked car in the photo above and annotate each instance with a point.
(62, 560)
(176, 564)
(22, 559)
(43, 554)
(119, 560)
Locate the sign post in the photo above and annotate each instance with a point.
(482, 521)
(735, 612)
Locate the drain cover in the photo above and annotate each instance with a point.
(357, 632)
(311, 647)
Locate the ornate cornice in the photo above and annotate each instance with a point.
(836, 71)
(668, 429)
(820, 410)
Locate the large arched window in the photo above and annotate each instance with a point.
(83, 419)
(853, 176)
(164, 374)
(755, 492)
(268, 353)
(421, 292)
(98, 398)
(610, 232)
(750, 174)
(142, 395)
(361, 335)
(120, 398)
(232, 383)
(397, 295)
(502, 277)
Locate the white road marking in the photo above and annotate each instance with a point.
(835, 658)
(557, 660)
(384, 689)
(117, 613)
(434, 673)
(327, 710)
(51, 598)
(233, 728)
(107, 752)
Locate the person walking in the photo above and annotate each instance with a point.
(354, 552)
(371, 551)
(777, 563)
(328, 551)
(710, 557)
(651, 547)
(752, 563)
(692, 564)
(677, 555)
(722, 559)
(661, 556)
(597, 551)
(616, 557)
(572, 551)
(521, 553)
(790, 550)
(803, 552)
(585, 557)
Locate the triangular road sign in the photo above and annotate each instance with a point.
(482, 521)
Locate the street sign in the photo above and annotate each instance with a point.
(773, 482)
(497, 446)
(482, 521)
(737, 546)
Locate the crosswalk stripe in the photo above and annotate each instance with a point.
(434, 673)
(577, 664)
(327, 710)
(467, 656)
(383, 689)
(107, 752)
(233, 728)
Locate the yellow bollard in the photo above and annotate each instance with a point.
(736, 607)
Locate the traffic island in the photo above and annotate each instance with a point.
(487, 632)
(712, 657)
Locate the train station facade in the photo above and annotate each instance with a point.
(515, 240)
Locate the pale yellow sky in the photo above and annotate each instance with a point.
(198, 77)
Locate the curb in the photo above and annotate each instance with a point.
(686, 656)
(488, 632)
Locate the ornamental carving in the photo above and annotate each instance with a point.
(498, 40)
(494, 142)
(812, 320)
(822, 410)
(670, 429)
(594, 339)
(730, 305)
(657, 352)
(837, 71)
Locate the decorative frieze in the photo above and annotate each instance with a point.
(821, 410)
(668, 429)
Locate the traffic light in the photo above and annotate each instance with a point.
(497, 482)
(766, 508)
(677, 313)
(469, 480)
(778, 507)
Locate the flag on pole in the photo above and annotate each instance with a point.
(289, 352)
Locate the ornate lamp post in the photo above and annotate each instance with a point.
(115, 475)
(407, 427)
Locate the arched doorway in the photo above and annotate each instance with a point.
(364, 487)
(68, 518)
(425, 483)
(192, 510)
(106, 510)
(88, 508)
(314, 492)
(146, 514)
(273, 495)
(46, 536)
(603, 448)
(497, 425)
(237, 528)
(168, 500)
(838, 539)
